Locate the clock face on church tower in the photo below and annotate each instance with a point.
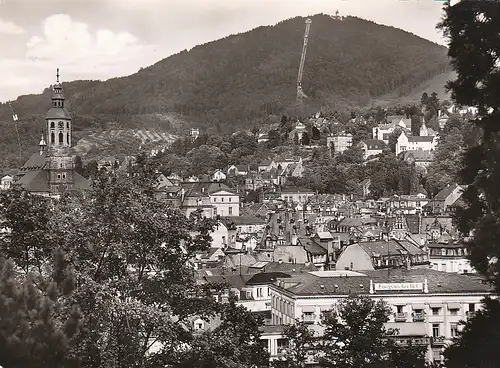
(61, 125)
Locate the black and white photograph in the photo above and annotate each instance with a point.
(249, 183)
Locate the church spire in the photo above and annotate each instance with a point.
(42, 145)
(58, 97)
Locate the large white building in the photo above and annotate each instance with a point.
(340, 142)
(415, 143)
(427, 305)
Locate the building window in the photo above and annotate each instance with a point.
(67, 125)
(61, 138)
(52, 137)
(454, 329)
(435, 311)
(59, 176)
(67, 138)
(453, 312)
(52, 126)
(436, 355)
(472, 307)
(435, 330)
(64, 176)
(222, 199)
(229, 199)
(230, 210)
(399, 309)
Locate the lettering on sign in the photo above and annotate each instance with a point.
(399, 286)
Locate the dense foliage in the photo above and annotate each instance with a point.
(105, 281)
(241, 80)
(474, 49)
(345, 347)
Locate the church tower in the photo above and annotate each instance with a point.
(423, 130)
(59, 161)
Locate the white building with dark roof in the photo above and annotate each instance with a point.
(371, 147)
(415, 143)
(427, 305)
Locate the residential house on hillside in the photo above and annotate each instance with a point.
(419, 157)
(6, 182)
(298, 132)
(208, 259)
(399, 120)
(254, 181)
(406, 204)
(264, 165)
(218, 175)
(296, 195)
(166, 191)
(415, 143)
(210, 197)
(365, 187)
(175, 179)
(383, 131)
(224, 200)
(224, 234)
(238, 170)
(445, 198)
(195, 133)
(371, 147)
(249, 231)
(340, 142)
(443, 117)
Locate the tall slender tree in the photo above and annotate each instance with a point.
(474, 48)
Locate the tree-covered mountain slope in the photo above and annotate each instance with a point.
(237, 80)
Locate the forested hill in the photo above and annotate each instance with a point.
(241, 78)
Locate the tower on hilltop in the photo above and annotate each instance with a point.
(51, 171)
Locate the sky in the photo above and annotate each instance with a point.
(102, 39)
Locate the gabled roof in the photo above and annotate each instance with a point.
(417, 138)
(36, 161)
(311, 246)
(379, 248)
(263, 278)
(374, 144)
(419, 155)
(246, 220)
(444, 193)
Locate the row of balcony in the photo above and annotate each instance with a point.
(398, 317)
(420, 316)
(403, 317)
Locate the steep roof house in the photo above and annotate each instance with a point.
(382, 254)
(445, 198)
(371, 147)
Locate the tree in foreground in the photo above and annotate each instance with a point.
(235, 343)
(36, 328)
(133, 288)
(356, 336)
(472, 30)
(301, 342)
(477, 344)
(474, 48)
